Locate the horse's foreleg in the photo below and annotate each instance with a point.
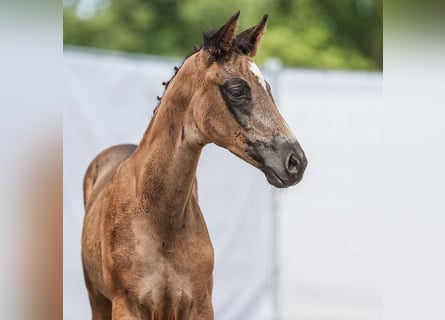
(122, 310)
(100, 306)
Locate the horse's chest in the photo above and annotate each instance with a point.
(172, 274)
(186, 254)
(172, 291)
(166, 273)
(164, 292)
(191, 259)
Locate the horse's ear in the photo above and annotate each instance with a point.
(220, 42)
(249, 40)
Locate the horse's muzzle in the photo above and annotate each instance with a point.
(283, 162)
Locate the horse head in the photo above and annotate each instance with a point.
(232, 104)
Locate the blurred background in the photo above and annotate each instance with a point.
(311, 252)
(345, 34)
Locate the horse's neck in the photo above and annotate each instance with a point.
(165, 165)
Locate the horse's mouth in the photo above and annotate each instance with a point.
(280, 182)
(273, 178)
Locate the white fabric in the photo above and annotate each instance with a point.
(329, 226)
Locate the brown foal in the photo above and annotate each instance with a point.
(146, 251)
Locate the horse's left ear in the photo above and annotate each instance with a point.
(249, 40)
(219, 42)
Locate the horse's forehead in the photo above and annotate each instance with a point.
(245, 68)
(250, 70)
(257, 73)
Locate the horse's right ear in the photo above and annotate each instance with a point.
(219, 42)
(248, 40)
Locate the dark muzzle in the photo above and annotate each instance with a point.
(283, 162)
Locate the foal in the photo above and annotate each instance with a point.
(146, 251)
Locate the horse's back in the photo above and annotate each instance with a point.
(102, 168)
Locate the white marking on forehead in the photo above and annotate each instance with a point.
(256, 71)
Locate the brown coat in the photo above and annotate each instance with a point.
(146, 251)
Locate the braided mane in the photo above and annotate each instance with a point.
(176, 69)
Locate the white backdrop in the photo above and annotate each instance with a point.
(329, 226)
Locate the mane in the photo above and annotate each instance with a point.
(175, 69)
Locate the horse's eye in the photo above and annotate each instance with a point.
(237, 92)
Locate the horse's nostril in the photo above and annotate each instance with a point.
(292, 163)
